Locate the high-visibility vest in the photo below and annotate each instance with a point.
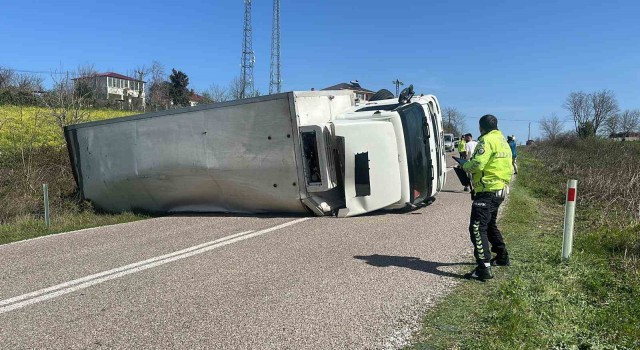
(490, 165)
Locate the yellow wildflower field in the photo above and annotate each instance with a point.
(26, 127)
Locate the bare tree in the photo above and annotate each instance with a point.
(19, 88)
(453, 120)
(590, 111)
(27, 82)
(6, 77)
(551, 127)
(85, 85)
(578, 104)
(604, 105)
(216, 93)
(629, 120)
(66, 105)
(141, 72)
(612, 125)
(236, 88)
(159, 87)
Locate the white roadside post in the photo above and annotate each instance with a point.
(569, 218)
(45, 189)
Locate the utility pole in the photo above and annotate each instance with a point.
(141, 73)
(397, 83)
(275, 81)
(529, 136)
(248, 58)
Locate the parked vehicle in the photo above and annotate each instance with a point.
(448, 142)
(290, 152)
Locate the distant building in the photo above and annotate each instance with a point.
(112, 86)
(361, 94)
(195, 99)
(625, 136)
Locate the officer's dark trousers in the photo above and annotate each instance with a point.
(483, 227)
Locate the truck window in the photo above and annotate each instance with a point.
(415, 129)
(362, 179)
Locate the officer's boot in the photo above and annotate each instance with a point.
(501, 259)
(480, 273)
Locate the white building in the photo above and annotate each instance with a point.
(361, 94)
(112, 86)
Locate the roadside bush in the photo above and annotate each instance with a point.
(608, 172)
(33, 152)
(21, 179)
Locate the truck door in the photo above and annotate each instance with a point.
(420, 146)
(371, 167)
(439, 151)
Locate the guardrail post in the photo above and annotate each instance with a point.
(45, 189)
(569, 218)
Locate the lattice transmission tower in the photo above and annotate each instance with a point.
(248, 58)
(275, 81)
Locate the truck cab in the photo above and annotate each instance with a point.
(388, 154)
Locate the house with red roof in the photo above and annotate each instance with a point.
(361, 94)
(112, 86)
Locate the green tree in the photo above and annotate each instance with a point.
(178, 90)
(586, 130)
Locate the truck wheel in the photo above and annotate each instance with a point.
(382, 94)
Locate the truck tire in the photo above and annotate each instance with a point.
(383, 94)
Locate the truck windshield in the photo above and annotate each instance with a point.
(416, 133)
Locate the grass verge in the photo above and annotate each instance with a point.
(590, 302)
(29, 227)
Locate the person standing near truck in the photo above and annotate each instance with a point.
(469, 147)
(490, 168)
(461, 149)
(512, 144)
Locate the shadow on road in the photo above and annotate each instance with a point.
(410, 262)
(239, 215)
(455, 191)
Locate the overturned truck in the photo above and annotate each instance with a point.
(291, 152)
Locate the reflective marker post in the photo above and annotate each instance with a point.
(45, 189)
(569, 218)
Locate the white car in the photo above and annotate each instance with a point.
(448, 142)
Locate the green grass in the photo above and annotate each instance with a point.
(590, 302)
(29, 227)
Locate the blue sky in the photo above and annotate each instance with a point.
(517, 60)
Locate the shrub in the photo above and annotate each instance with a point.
(608, 172)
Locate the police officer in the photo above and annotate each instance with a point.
(511, 140)
(490, 168)
(461, 149)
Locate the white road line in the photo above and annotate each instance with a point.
(88, 281)
(118, 269)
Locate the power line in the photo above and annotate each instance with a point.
(535, 121)
(39, 72)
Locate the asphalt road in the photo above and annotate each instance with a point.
(234, 282)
